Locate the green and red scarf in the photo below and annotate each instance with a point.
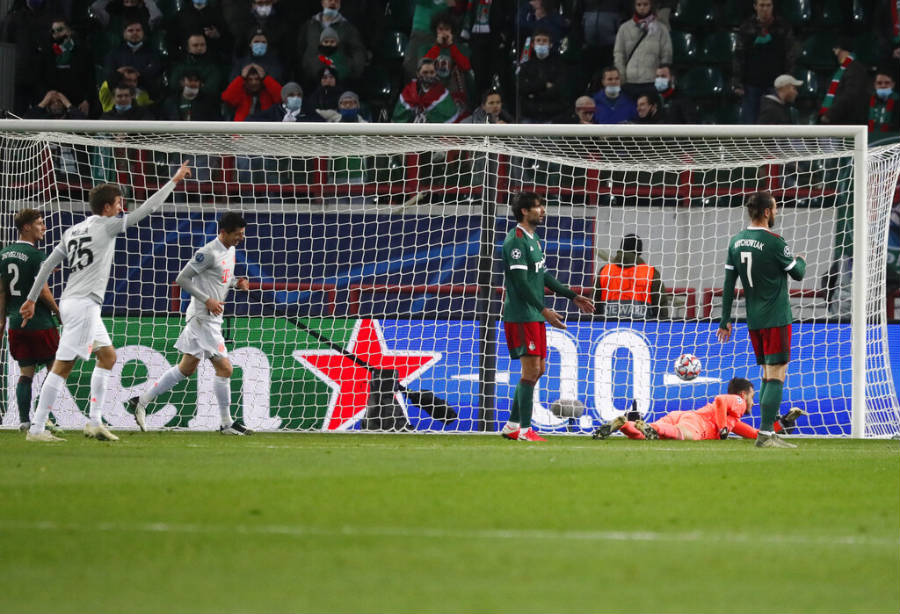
(835, 80)
(880, 115)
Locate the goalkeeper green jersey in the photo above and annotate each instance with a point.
(525, 277)
(763, 261)
(19, 263)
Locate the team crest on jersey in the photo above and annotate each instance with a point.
(531, 345)
(516, 254)
(199, 257)
(787, 251)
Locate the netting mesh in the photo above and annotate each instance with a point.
(376, 276)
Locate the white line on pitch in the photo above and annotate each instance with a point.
(476, 534)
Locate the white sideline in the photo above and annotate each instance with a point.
(474, 534)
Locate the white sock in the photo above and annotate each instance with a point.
(222, 389)
(53, 385)
(99, 379)
(169, 380)
(512, 426)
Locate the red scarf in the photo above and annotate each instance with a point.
(423, 101)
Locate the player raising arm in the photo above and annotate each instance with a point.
(34, 344)
(715, 420)
(524, 313)
(87, 248)
(763, 261)
(207, 278)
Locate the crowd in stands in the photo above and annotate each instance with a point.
(480, 61)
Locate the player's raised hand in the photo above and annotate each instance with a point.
(27, 312)
(585, 304)
(184, 171)
(242, 284)
(214, 307)
(553, 318)
(724, 334)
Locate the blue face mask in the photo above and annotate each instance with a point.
(885, 92)
(200, 4)
(661, 84)
(329, 13)
(542, 51)
(135, 46)
(121, 108)
(293, 103)
(349, 114)
(612, 91)
(259, 48)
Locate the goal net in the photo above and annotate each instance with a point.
(373, 255)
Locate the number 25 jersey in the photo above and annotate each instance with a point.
(88, 249)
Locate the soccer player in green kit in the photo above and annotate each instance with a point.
(524, 313)
(763, 261)
(33, 345)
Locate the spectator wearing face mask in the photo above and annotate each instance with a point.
(259, 52)
(613, 105)
(67, 66)
(124, 106)
(325, 97)
(425, 99)
(191, 102)
(290, 109)
(884, 105)
(199, 16)
(267, 16)
(134, 51)
(128, 76)
(677, 107)
(251, 92)
(329, 53)
(541, 82)
(197, 59)
(348, 111)
(347, 42)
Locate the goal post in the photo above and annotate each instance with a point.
(373, 252)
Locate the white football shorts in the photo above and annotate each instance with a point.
(83, 330)
(202, 339)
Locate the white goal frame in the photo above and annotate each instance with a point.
(858, 134)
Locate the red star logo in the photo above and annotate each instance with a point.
(349, 381)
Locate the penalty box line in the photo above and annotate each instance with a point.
(473, 534)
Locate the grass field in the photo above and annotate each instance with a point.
(200, 522)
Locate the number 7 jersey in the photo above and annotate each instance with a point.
(88, 249)
(763, 261)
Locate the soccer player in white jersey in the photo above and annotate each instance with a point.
(207, 278)
(87, 248)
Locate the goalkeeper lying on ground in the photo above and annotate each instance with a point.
(714, 420)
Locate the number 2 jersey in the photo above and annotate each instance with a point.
(19, 265)
(763, 261)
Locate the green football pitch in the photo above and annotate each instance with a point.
(338, 523)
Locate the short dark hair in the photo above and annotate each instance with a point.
(758, 203)
(652, 98)
(121, 85)
(134, 20)
(541, 31)
(490, 92)
(443, 18)
(737, 385)
(231, 221)
(523, 200)
(102, 195)
(632, 243)
(607, 69)
(25, 217)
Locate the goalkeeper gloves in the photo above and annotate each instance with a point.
(788, 421)
(723, 432)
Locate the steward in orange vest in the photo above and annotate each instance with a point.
(628, 287)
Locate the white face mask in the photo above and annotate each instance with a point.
(612, 91)
(661, 83)
(263, 10)
(293, 103)
(190, 92)
(542, 51)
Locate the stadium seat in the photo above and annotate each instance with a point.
(719, 48)
(684, 48)
(810, 88)
(817, 51)
(392, 45)
(733, 13)
(860, 14)
(797, 12)
(728, 113)
(832, 14)
(694, 15)
(398, 15)
(703, 82)
(169, 8)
